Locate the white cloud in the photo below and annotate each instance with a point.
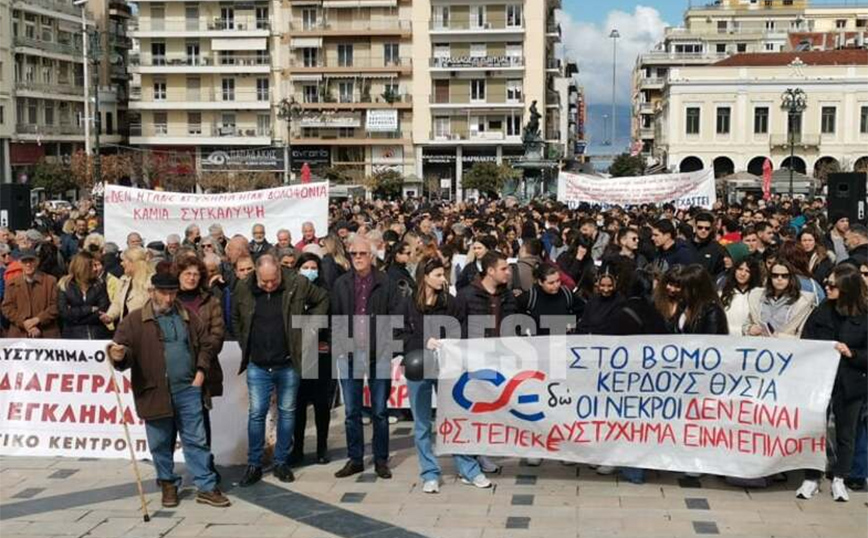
(589, 44)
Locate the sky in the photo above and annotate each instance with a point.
(585, 30)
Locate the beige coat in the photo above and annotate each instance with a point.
(798, 314)
(134, 298)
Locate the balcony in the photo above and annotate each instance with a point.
(213, 133)
(59, 91)
(646, 133)
(553, 98)
(119, 8)
(553, 64)
(800, 141)
(646, 108)
(553, 30)
(445, 102)
(651, 82)
(355, 101)
(247, 27)
(676, 58)
(50, 5)
(39, 131)
(468, 27)
(73, 50)
(359, 137)
(354, 27)
(237, 63)
(320, 65)
(203, 99)
(482, 138)
(451, 63)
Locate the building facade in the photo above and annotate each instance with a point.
(716, 31)
(7, 89)
(730, 115)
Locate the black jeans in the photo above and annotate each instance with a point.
(320, 393)
(846, 425)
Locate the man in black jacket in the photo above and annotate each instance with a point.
(365, 297)
(711, 253)
(485, 297)
(670, 251)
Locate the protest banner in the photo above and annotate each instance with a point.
(156, 214)
(682, 190)
(57, 399)
(399, 396)
(743, 407)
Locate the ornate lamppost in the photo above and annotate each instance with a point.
(287, 110)
(794, 101)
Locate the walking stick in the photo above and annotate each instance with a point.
(117, 391)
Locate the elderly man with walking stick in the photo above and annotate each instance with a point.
(166, 348)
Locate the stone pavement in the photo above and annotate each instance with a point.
(88, 498)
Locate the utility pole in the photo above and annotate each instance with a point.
(86, 82)
(614, 35)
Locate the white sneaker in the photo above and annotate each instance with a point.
(393, 419)
(487, 465)
(366, 420)
(431, 486)
(839, 490)
(479, 481)
(533, 462)
(605, 469)
(808, 489)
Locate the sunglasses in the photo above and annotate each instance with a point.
(863, 273)
(703, 227)
(781, 276)
(831, 286)
(357, 254)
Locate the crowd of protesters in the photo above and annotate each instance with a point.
(773, 269)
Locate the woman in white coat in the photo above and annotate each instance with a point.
(779, 309)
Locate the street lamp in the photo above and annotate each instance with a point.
(794, 101)
(287, 109)
(85, 46)
(614, 35)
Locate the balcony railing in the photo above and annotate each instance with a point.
(199, 130)
(52, 5)
(553, 98)
(553, 28)
(484, 136)
(489, 62)
(437, 100)
(356, 98)
(553, 63)
(682, 56)
(446, 26)
(147, 59)
(553, 134)
(321, 63)
(204, 95)
(802, 140)
(646, 108)
(199, 25)
(63, 89)
(651, 81)
(73, 49)
(40, 129)
(334, 133)
(352, 25)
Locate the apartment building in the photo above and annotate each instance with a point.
(110, 61)
(730, 115)
(349, 71)
(204, 82)
(7, 100)
(563, 131)
(478, 65)
(713, 32)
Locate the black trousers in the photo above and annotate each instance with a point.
(847, 414)
(320, 393)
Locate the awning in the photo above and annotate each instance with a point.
(339, 4)
(306, 78)
(251, 43)
(306, 42)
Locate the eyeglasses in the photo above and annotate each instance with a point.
(781, 276)
(703, 227)
(357, 254)
(863, 273)
(831, 285)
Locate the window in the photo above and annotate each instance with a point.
(2, 115)
(390, 54)
(392, 88)
(227, 57)
(477, 16)
(48, 111)
(827, 120)
(761, 120)
(477, 90)
(227, 19)
(309, 57)
(720, 48)
(513, 16)
(442, 127)
(228, 87)
(194, 123)
(478, 50)
(513, 91)
(441, 17)
(476, 125)
(442, 51)
(513, 125)
(346, 132)
(863, 120)
(194, 85)
(193, 53)
(227, 127)
(770, 26)
(263, 125)
(261, 18)
(262, 89)
(159, 90)
(308, 18)
(692, 117)
(345, 55)
(158, 18)
(310, 93)
(191, 15)
(161, 123)
(741, 47)
(513, 50)
(109, 123)
(721, 27)
(32, 112)
(770, 47)
(723, 120)
(158, 53)
(689, 48)
(441, 91)
(345, 92)
(841, 23)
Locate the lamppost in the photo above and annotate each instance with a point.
(287, 109)
(86, 45)
(614, 35)
(794, 101)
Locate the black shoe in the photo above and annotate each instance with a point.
(323, 460)
(350, 469)
(855, 484)
(251, 476)
(382, 470)
(296, 458)
(284, 473)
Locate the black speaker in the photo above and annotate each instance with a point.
(15, 206)
(847, 193)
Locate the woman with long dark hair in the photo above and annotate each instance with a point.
(820, 261)
(82, 297)
(700, 310)
(780, 308)
(473, 266)
(547, 297)
(431, 298)
(598, 312)
(842, 318)
(577, 258)
(397, 259)
(737, 284)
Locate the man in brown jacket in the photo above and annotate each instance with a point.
(30, 301)
(169, 353)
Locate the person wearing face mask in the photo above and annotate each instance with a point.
(317, 386)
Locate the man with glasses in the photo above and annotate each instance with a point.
(711, 253)
(363, 296)
(30, 301)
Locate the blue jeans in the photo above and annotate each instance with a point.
(188, 422)
(352, 394)
(420, 404)
(261, 382)
(859, 470)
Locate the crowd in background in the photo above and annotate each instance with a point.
(776, 269)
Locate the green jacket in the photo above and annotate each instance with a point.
(300, 297)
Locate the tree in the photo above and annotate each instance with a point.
(488, 178)
(52, 176)
(172, 171)
(386, 184)
(626, 165)
(113, 168)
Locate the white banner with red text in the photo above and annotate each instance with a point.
(156, 214)
(57, 399)
(683, 190)
(743, 407)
